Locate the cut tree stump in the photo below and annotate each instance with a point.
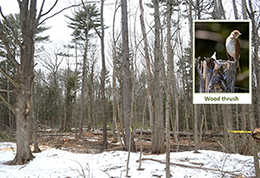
(216, 76)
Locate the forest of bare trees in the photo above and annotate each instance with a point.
(135, 71)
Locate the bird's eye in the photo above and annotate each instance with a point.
(235, 33)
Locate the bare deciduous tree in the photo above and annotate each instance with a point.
(158, 138)
(126, 78)
(29, 21)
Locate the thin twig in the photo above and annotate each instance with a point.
(82, 170)
(221, 145)
(58, 13)
(10, 91)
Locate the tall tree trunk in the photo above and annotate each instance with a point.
(172, 78)
(158, 139)
(243, 2)
(24, 76)
(83, 89)
(244, 149)
(234, 8)
(196, 131)
(215, 126)
(23, 84)
(229, 117)
(148, 70)
(90, 96)
(256, 91)
(36, 148)
(114, 90)
(225, 125)
(253, 143)
(126, 76)
(8, 99)
(168, 83)
(218, 11)
(255, 50)
(75, 106)
(103, 78)
(23, 80)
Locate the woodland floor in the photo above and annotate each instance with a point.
(64, 156)
(92, 143)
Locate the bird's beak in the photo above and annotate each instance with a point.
(240, 33)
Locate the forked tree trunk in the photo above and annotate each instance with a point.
(24, 75)
(24, 78)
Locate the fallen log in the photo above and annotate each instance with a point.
(208, 134)
(137, 132)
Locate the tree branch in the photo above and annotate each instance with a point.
(50, 8)
(20, 3)
(58, 13)
(7, 103)
(16, 85)
(8, 91)
(39, 16)
(188, 166)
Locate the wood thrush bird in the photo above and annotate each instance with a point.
(233, 48)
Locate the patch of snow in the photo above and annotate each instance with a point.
(58, 163)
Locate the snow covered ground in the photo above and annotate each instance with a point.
(58, 163)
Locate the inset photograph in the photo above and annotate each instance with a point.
(222, 57)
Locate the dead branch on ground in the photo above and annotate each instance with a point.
(188, 166)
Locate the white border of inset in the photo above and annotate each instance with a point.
(222, 98)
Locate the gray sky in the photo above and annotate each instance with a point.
(59, 31)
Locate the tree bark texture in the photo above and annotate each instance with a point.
(216, 76)
(168, 88)
(36, 148)
(24, 73)
(126, 76)
(253, 144)
(148, 70)
(24, 79)
(196, 131)
(158, 139)
(229, 117)
(103, 78)
(83, 89)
